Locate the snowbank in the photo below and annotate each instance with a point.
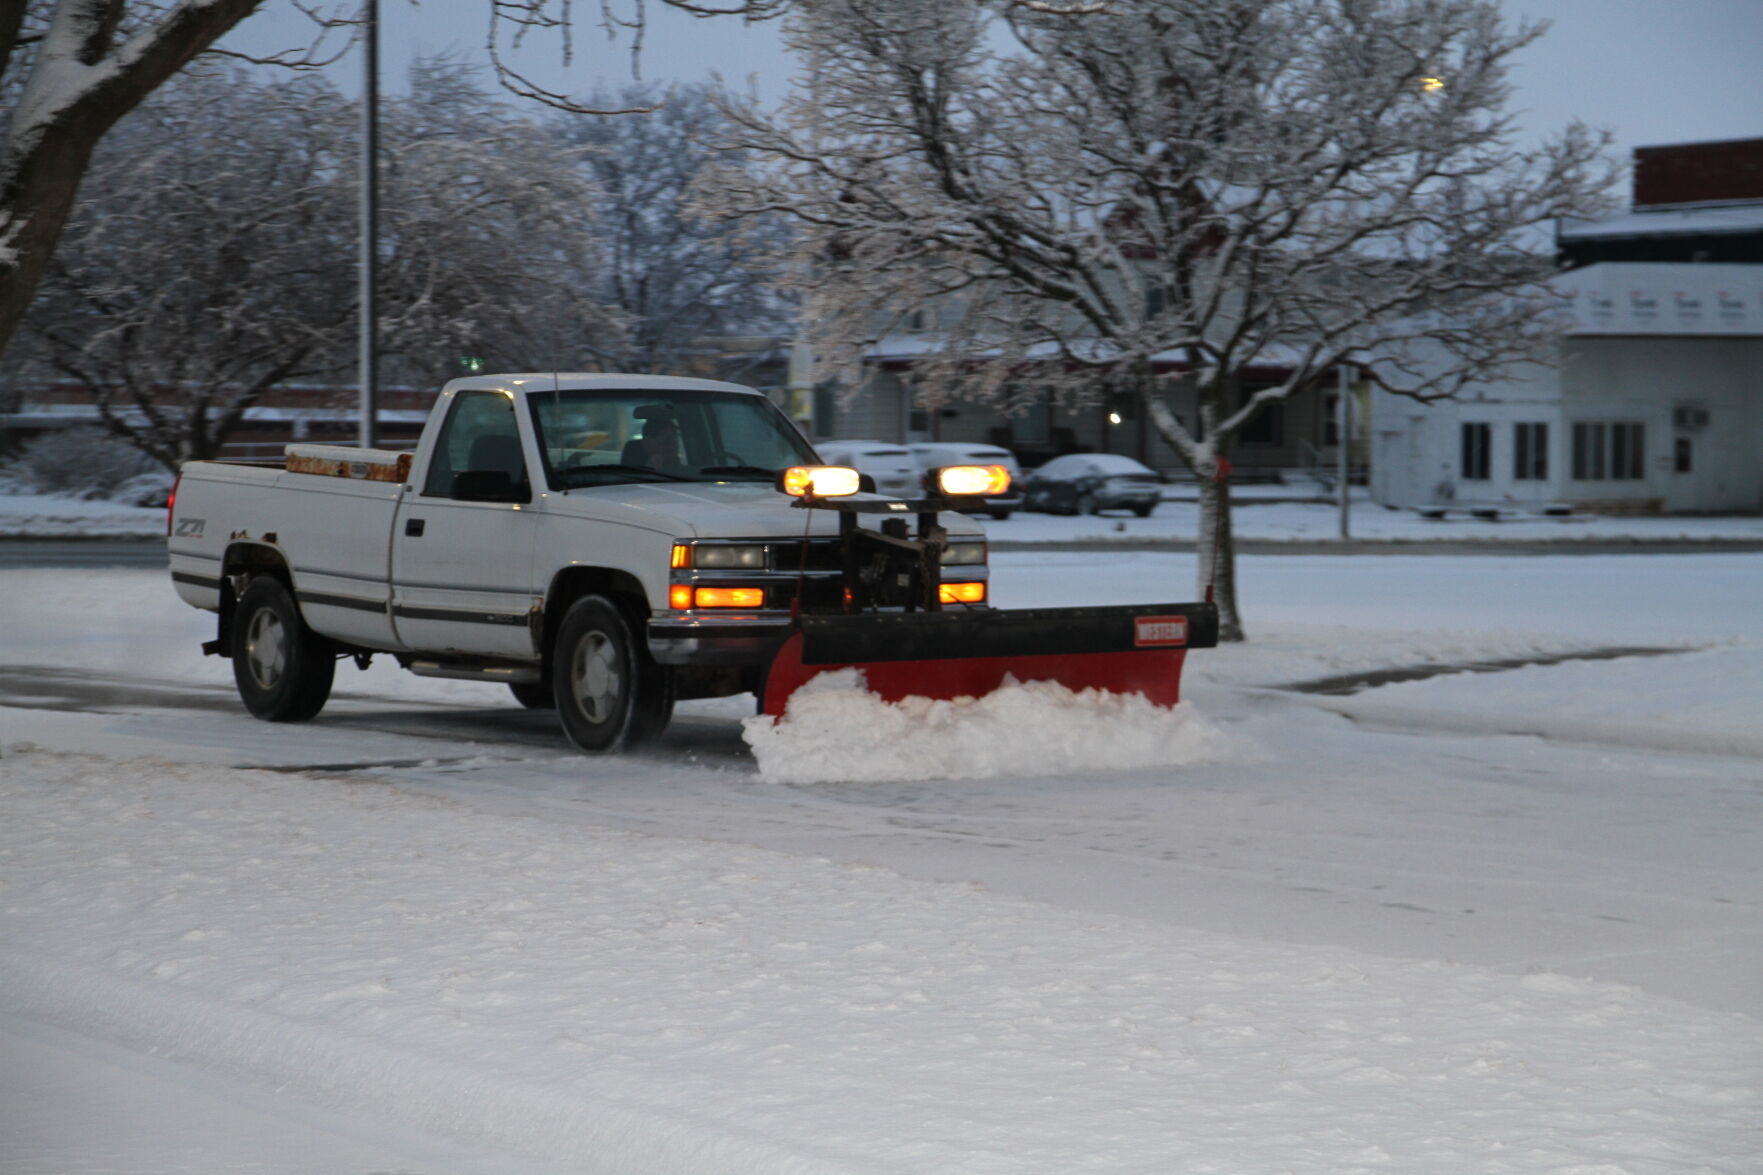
(48, 516)
(836, 730)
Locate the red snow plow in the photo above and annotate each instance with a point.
(914, 637)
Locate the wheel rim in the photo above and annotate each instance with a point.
(266, 648)
(595, 679)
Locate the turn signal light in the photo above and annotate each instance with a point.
(679, 596)
(968, 481)
(718, 597)
(820, 481)
(962, 593)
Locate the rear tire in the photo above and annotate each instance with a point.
(283, 669)
(1143, 511)
(609, 694)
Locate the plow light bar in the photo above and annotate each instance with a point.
(970, 481)
(819, 481)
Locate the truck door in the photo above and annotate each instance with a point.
(462, 549)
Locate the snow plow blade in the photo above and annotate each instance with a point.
(1130, 649)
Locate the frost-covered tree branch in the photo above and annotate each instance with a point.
(1170, 190)
(70, 69)
(211, 257)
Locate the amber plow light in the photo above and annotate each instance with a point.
(819, 481)
(962, 593)
(973, 481)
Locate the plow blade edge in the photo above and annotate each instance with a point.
(1128, 649)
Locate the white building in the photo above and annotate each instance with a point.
(1657, 402)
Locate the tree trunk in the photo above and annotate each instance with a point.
(1217, 565)
(34, 204)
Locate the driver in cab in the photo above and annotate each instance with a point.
(659, 446)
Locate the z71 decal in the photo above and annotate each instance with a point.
(190, 528)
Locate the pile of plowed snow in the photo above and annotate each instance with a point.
(835, 729)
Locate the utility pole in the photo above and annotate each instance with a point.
(370, 150)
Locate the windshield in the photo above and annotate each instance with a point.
(624, 436)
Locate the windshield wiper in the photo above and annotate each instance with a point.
(574, 473)
(749, 470)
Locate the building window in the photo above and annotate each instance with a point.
(1683, 459)
(1268, 425)
(1530, 451)
(1613, 450)
(1477, 441)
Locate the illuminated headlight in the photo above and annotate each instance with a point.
(820, 481)
(733, 556)
(964, 554)
(966, 481)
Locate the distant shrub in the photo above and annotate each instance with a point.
(82, 462)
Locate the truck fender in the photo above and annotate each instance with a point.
(572, 583)
(241, 562)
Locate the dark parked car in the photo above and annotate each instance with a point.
(1083, 483)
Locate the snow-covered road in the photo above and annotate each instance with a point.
(1382, 933)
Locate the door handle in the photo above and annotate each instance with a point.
(413, 527)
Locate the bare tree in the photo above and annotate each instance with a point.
(210, 262)
(675, 275)
(69, 69)
(490, 246)
(1214, 183)
(213, 258)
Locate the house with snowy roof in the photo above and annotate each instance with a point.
(1656, 403)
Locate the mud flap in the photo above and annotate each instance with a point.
(1130, 649)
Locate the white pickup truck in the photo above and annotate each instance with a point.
(603, 543)
(607, 544)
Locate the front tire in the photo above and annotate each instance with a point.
(610, 695)
(283, 669)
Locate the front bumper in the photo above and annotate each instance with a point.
(744, 639)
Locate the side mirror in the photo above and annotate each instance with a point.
(488, 485)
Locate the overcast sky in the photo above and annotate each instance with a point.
(1653, 71)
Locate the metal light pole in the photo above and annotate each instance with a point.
(370, 144)
(1343, 446)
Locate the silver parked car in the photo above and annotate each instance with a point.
(892, 466)
(1083, 483)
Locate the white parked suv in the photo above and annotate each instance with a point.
(932, 455)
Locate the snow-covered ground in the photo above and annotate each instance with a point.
(1265, 512)
(1490, 922)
